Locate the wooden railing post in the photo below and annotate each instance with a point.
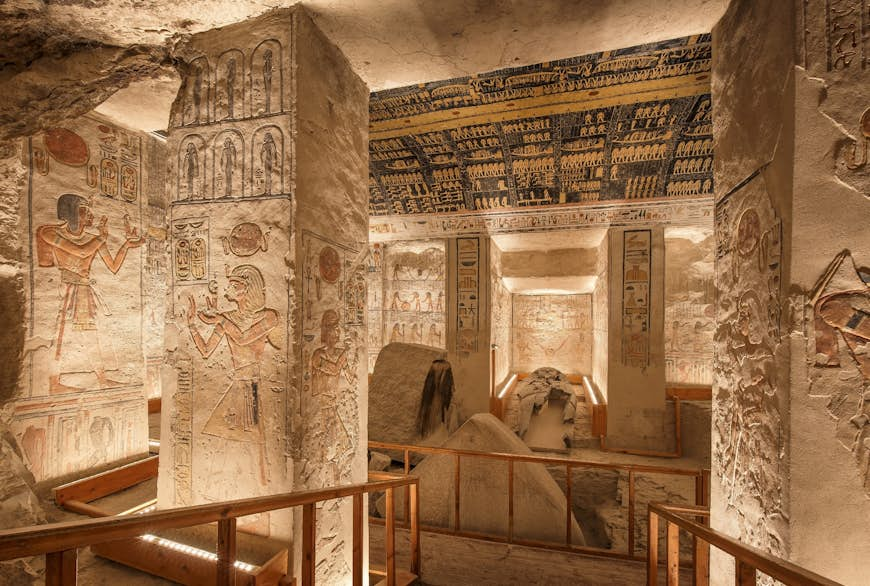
(456, 483)
(407, 469)
(510, 501)
(226, 552)
(61, 568)
(702, 562)
(568, 506)
(309, 539)
(391, 538)
(652, 549)
(631, 520)
(358, 511)
(415, 529)
(673, 554)
(744, 574)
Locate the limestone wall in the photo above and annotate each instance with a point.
(601, 318)
(689, 309)
(501, 318)
(406, 295)
(90, 240)
(552, 330)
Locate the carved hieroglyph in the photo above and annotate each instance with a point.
(636, 143)
(552, 331)
(636, 282)
(467, 294)
(749, 446)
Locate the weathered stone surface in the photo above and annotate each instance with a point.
(379, 461)
(19, 505)
(396, 390)
(539, 504)
(536, 389)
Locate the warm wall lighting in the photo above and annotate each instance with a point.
(590, 392)
(507, 386)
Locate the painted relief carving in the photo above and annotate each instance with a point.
(840, 304)
(268, 161)
(467, 294)
(856, 153)
(71, 246)
(267, 78)
(191, 168)
(247, 329)
(619, 151)
(331, 352)
(637, 259)
(689, 310)
(406, 283)
(40, 161)
(196, 93)
(554, 331)
(67, 147)
(190, 250)
(245, 239)
(845, 23)
(749, 450)
(228, 163)
(229, 88)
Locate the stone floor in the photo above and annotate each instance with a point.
(459, 561)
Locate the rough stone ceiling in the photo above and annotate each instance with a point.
(389, 43)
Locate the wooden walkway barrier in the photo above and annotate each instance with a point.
(748, 561)
(700, 475)
(59, 542)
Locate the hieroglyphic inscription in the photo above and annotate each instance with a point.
(182, 434)
(686, 212)
(637, 252)
(845, 34)
(406, 295)
(467, 293)
(627, 147)
(190, 251)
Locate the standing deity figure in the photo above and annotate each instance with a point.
(228, 163)
(191, 167)
(268, 158)
(329, 363)
(267, 79)
(247, 330)
(231, 87)
(197, 93)
(71, 248)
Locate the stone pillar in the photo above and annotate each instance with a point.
(790, 410)
(601, 318)
(468, 337)
(265, 386)
(636, 367)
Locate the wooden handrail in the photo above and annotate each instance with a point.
(748, 559)
(700, 475)
(535, 459)
(56, 540)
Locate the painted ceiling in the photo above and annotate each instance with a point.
(610, 127)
